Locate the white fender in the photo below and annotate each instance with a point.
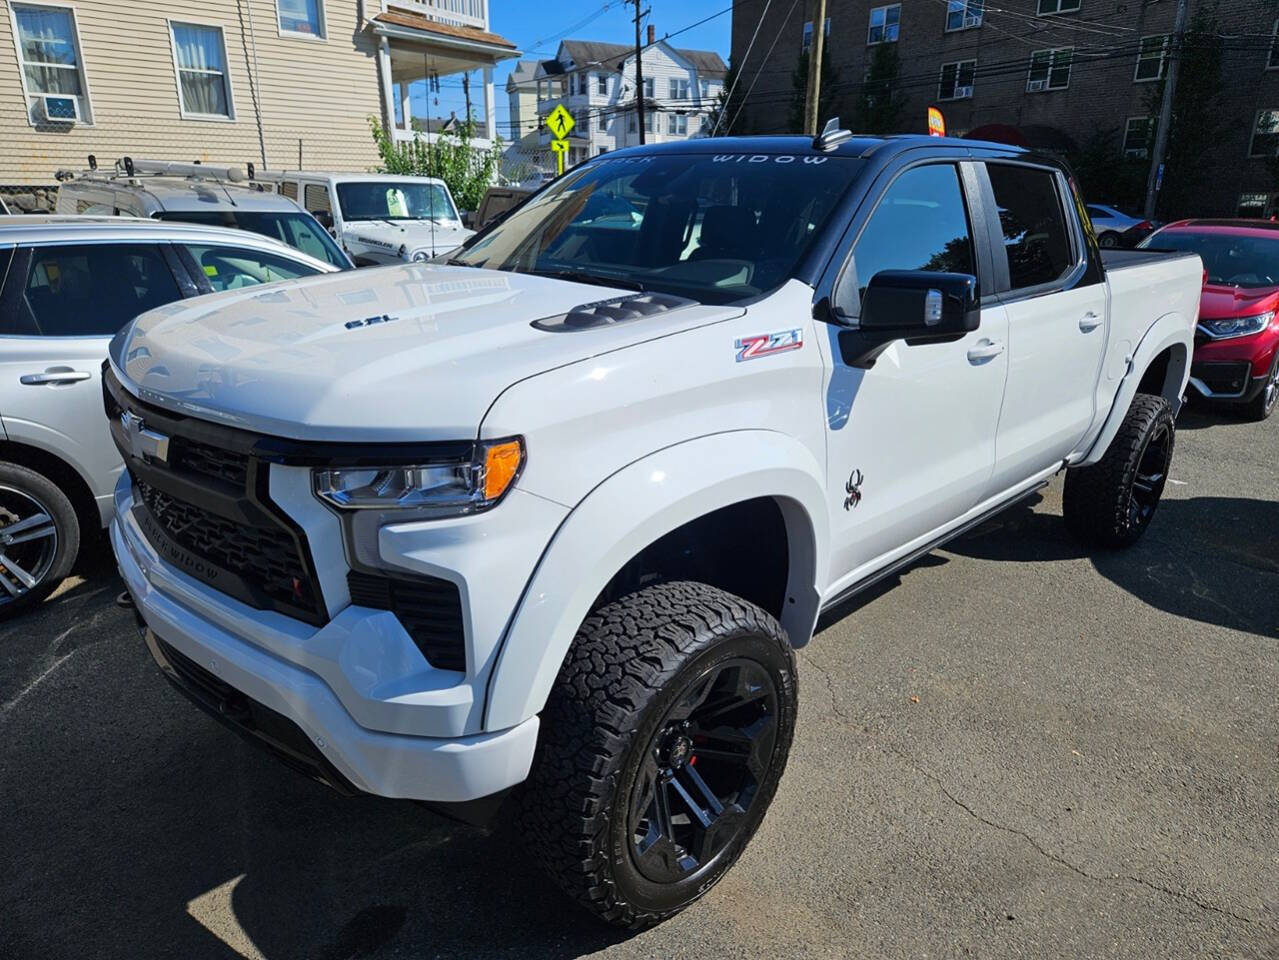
(635, 507)
(1170, 330)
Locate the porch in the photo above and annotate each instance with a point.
(425, 41)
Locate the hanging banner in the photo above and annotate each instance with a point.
(936, 123)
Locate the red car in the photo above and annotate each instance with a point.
(1237, 341)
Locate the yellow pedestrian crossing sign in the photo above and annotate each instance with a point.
(560, 147)
(560, 122)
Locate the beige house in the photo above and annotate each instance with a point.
(281, 83)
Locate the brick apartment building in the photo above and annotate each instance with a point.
(1071, 76)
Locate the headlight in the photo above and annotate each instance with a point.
(1225, 328)
(447, 488)
(420, 256)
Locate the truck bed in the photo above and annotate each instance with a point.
(1117, 258)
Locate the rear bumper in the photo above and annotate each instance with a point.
(295, 712)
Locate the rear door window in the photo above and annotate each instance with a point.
(89, 290)
(234, 268)
(1033, 223)
(316, 198)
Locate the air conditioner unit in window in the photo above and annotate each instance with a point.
(962, 93)
(1036, 86)
(58, 108)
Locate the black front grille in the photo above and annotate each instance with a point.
(430, 609)
(207, 460)
(264, 558)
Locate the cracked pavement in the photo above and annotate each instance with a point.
(1015, 749)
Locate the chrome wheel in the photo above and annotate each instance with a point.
(28, 543)
(702, 771)
(1271, 391)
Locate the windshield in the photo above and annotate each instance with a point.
(1232, 260)
(299, 230)
(380, 200)
(715, 228)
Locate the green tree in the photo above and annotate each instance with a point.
(1197, 121)
(826, 92)
(880, 104)
(723, 116)
(452, 157)
(1105, 175)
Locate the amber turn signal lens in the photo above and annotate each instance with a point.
(501, 464)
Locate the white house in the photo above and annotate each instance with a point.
(596, 83)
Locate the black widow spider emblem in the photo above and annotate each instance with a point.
(853, 489)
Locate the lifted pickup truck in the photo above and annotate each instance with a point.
(554, 516)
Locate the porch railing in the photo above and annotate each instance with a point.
(462, 13)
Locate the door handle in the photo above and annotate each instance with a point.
(984, 350)
(1089, 322)
(54, 376)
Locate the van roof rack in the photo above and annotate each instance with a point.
(132, 169)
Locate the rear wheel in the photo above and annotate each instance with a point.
(1263, 404)
(1109, 239)
(1111, 503)
(661, 747)
(39, 538)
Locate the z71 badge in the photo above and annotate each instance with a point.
(766, 344)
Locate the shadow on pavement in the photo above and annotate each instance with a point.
(1211, 559)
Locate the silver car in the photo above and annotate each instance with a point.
(69, 284)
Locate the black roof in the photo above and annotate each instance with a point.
(858, 146)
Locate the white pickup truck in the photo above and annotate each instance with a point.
(554, 516)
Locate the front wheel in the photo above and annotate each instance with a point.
(39, 538)
(1264, 403)
(1111, 503)
(661, 747)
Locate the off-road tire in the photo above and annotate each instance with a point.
(38, 487)
(1099, 501)
(629, 665)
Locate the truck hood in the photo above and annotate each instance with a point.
(390, 235)
(398, 353)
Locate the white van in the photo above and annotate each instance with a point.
(378, 217)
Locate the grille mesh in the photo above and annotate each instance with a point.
(264, 558)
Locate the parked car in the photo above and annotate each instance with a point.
(376, 217)
(196, 193)
(1236, 359)
(69, 284)
(1114, 228)
(557, 515)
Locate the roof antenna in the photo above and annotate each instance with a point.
(831, 135)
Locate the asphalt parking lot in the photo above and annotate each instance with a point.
(1016, 749)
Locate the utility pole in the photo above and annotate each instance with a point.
(1165, 110)
(466, 92)
(811, 123)
(639, 69)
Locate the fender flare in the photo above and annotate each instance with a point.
(633, 508)
(1170, 330)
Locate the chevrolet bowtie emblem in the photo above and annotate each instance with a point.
(143, 443)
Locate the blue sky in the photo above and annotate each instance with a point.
(535, 27)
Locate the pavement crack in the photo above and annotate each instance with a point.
(1033, 843)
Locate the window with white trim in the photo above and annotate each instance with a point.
(650, 87)
(49, 53)
(705, 89)
(302, 17)
(1265, 134)
(678, 87)
(1137, 137)
(1151, 57)
(199, 52)
(677, 124)
(963, 14)
(1049, 70)
(601, 84)
(807, 41)
(1047, 7)
(957, 80)
(884, 24)
(603, 122)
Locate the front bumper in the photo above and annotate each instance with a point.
(215, 635)
(1233, 370)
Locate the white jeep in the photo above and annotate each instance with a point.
(555, 516)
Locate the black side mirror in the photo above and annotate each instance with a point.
(325, 218)
(912, 305)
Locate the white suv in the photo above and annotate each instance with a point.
(70, 283)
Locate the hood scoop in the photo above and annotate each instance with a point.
(604, 313)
